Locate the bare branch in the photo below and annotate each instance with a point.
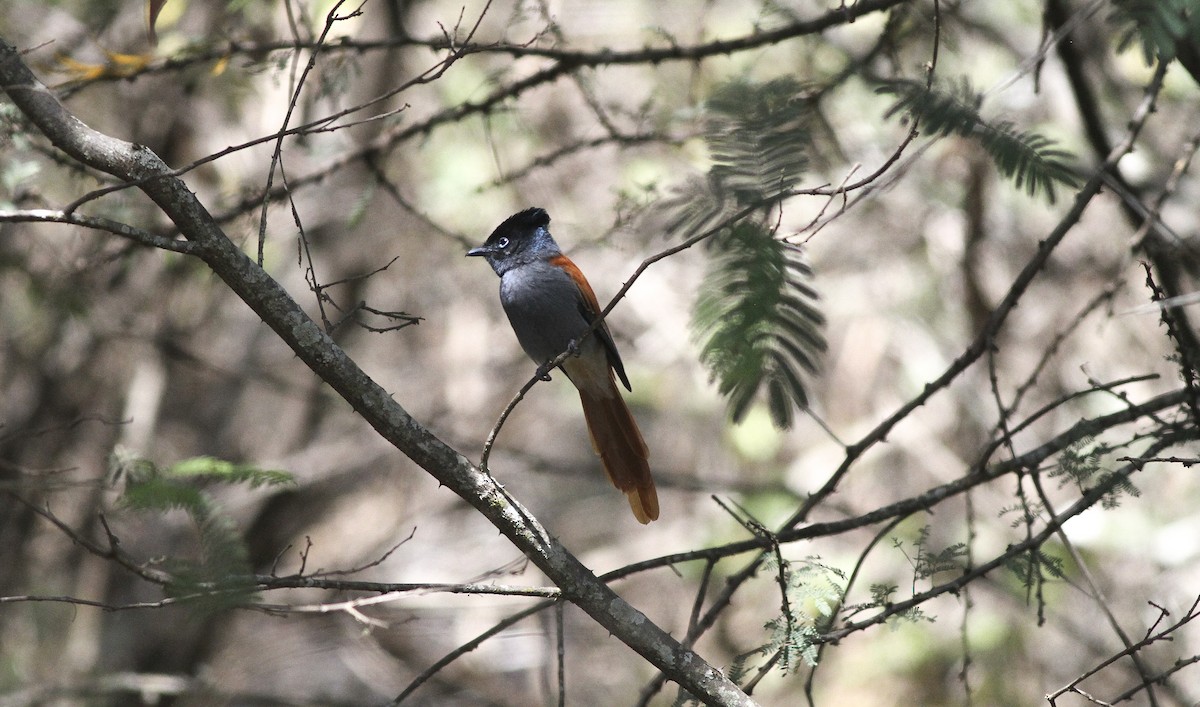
(326, 359)
(98, 223)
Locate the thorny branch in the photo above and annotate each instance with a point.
(328, 361)
(563, 62)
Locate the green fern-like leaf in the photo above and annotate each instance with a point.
(221, 576)
(1023, 513)
(814, 594)
(1121, 486)
(760, 140)
(760, 327)
(1031, 160)
(1160, 26)
(952, 110)
(795, 643)
(1082, 463)
(881, 594)
(760, 137)
(756, 316)
(738, 670)
(160, 494)
(1079, 462)
(211, 468)
(927, 561)
(947, 559)
(1036, 566)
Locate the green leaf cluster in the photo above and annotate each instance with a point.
(758, 322)
(927, 562)
(882, 597)
(760, 137)
(756, 317)
(1035, 567)
(813, 592)
(1163, 28)
(1031, 160)
(1082, 463)
(220, 576)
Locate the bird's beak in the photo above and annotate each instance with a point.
(478, 251)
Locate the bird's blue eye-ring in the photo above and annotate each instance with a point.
(503, 242)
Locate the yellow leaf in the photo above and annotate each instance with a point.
(127, 64)
(117, 65)
(78, 70)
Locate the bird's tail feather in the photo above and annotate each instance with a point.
(618, 441)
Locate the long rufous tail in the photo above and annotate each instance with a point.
(616, 438)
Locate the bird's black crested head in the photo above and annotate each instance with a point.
(528, 220)
(522, 237)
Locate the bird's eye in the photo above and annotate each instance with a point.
(503, 242)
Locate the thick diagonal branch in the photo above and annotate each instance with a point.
(312, 345)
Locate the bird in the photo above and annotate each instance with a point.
(552, 309)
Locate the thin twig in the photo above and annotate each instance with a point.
(1192, 613)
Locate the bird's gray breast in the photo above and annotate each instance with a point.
(542, 303)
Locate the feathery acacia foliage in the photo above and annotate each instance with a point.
(760, 138)
(220, 577)
(1031, 160)
(1082, 463)
(1161, 26)
(756, 315)
(812, 596)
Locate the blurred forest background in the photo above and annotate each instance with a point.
(993, 365)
